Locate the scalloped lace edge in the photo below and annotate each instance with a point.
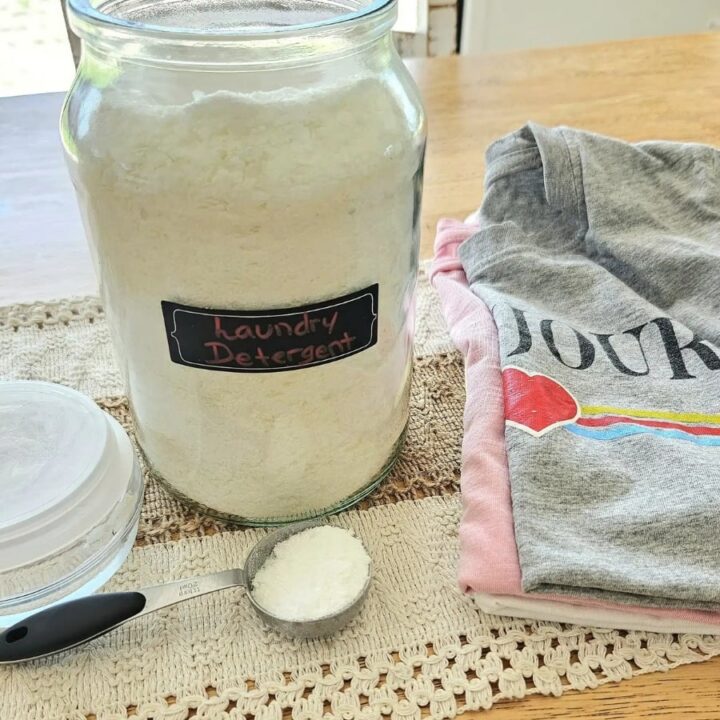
(441, 681)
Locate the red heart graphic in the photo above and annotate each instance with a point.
(536, 403)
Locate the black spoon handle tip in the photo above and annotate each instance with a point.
(68, 624)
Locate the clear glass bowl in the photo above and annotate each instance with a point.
(71, 493)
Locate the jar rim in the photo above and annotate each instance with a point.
(86, 11)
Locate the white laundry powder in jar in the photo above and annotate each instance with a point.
(313, 574)
(256, 201)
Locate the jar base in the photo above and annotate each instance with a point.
(270, 522)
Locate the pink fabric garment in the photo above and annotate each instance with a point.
(488, 553)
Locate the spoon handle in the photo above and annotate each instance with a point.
(68, 624)
(75, 622)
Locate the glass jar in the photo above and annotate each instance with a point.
(249, 174)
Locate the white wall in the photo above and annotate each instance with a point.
(496, 25)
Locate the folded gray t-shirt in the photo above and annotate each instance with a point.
(600, 261)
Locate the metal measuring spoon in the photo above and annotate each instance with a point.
(76, 622)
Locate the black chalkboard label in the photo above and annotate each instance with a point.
(272, 340)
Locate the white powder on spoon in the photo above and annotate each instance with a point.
(313, 574)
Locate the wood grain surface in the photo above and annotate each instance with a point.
(659, 88)
(691, 692)
(665, 88)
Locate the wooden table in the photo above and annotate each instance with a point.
(657, 88)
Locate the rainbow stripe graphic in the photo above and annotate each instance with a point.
(537, 404)
(600, 422)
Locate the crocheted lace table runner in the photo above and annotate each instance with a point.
(419, 648)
